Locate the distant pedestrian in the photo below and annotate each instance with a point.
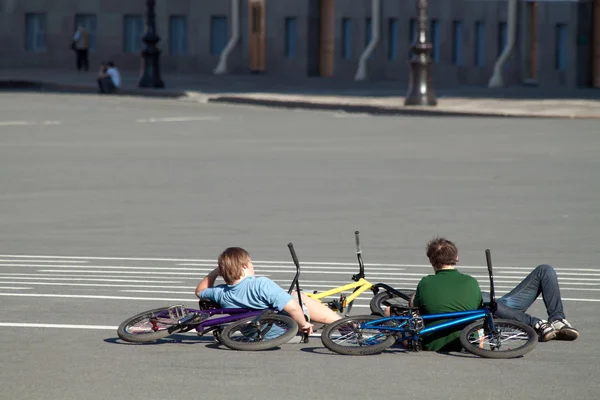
(81, 45)
(109, 78)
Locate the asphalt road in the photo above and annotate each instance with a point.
(112, 206)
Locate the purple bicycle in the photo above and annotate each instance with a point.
(236, 328)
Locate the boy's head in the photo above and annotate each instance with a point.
(441, 253)
(233, 263)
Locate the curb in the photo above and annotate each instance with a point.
(283, 103)
(382, 110)
(78, 88)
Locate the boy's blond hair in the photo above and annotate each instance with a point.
(231, 263)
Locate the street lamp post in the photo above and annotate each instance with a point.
(150, 54)
(420, 91)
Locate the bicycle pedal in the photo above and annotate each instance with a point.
(217, 337)
(335, 306)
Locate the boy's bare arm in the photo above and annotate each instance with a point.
(295, 311)
(208, 281)
(411, 300)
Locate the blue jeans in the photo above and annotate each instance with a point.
(542, 280)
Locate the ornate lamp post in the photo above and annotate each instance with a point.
(420, 91)
(150, 54)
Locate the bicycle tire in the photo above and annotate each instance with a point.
(329, 333)
(288, 327)
(376, 304)
(124, 334)
(467, 340)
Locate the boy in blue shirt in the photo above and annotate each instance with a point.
(243, 290)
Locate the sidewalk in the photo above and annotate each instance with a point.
(380, 97)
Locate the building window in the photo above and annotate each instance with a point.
(502, 30)
(561, 47)
(35, 32)
(133, 31)
(88, 21)
(346, 39)
(479, 44)
(178, 35)
(435, 40)
(392, 51)
(412, 35)
(457, 42)
(291, 37)
(218, 34)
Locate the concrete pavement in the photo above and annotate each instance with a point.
(160, 179)
(380, 97)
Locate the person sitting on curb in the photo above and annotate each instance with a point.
(109, 78)
(243, 290)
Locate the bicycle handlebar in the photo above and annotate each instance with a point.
(294, 257)
(358, 251)
(488, 259)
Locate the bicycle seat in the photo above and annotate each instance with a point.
(206, 304)
(402, 310)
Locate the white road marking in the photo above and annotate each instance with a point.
(178, 119)
(32, 325)
(110, 285)
(262, 272)
(26, 123)
(214, 262)
(43, 261)
(153, 291)
(171, 299)
(308, 288)
(209, 267)
(86, 296)
(67, 326)
(85, 279)
(14, 288)
(16, 123)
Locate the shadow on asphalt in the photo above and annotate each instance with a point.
(321, 350)
(181, 339)
(178, 339)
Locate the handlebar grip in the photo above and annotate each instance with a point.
(358, 251)
(293, 252)
(488, 258)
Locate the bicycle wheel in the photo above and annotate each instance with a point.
(377, 306)
(346, 337)
(273, 330)
(151, 325)
(511, 339)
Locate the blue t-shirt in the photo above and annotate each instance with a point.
(251, 292)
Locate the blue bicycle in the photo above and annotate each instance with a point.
(485, 336)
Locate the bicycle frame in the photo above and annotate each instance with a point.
(207, 325)
(360, 284)
(412, 326)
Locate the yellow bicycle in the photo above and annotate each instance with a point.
(360, 285)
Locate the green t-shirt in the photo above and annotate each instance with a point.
(446, 291)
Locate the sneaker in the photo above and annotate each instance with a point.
(546, 330)
(564, 330)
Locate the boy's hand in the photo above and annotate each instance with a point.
(307, 328)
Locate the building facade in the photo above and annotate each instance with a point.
(558, 41)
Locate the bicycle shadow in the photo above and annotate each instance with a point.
(395, 349)
(173, 339)
(181, 339)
